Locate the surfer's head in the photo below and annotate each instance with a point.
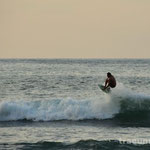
(109, 74)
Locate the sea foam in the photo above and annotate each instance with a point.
(106, 107)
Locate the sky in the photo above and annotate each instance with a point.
(74, 28)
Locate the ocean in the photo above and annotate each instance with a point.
(57, 104)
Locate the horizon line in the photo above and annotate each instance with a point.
(70, 58)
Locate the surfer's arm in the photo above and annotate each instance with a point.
(106, 83)
(106, 86)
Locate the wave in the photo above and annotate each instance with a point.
(121, 103)
(83, 144)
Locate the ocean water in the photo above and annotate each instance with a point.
(57, 104)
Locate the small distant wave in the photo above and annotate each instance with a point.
(121, 103)
(83, 144)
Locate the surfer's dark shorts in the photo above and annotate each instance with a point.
(112, 86)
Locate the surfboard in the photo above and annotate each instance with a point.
(102, 87)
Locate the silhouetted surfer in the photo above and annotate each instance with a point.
(110, 81)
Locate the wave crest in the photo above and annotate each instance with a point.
(120, 103)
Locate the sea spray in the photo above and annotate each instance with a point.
(120, 100)
(56, 109)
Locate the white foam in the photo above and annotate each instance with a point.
(57, 109)
(71, 109)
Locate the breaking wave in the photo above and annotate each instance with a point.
(121, 103)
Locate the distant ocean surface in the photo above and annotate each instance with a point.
(57, 104)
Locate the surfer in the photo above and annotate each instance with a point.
(110, 81)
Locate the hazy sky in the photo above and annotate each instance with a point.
(74, 28)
